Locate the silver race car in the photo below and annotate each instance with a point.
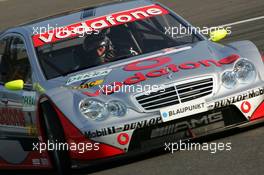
(105, 82)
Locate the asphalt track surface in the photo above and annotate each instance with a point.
(247, 154)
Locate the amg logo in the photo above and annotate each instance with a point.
(193, 123)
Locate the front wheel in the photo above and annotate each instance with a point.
(55, 136)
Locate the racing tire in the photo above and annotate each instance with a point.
(54, 134)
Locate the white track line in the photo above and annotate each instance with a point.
(235, 23)
(243, 21)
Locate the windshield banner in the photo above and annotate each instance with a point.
(98, 24)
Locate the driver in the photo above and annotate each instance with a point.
(99, 47)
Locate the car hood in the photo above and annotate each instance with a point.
(187, 60)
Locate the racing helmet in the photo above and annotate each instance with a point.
(96, 40)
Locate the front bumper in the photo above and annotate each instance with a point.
(145, 141)
(186, 128)
(229, 112)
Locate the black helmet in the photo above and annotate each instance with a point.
(96, 40)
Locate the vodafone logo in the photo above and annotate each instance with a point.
(123, 138)
(98, 23)
(245, 107)
(154, 62)
(166, 69)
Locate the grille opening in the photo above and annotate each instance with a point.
(166, 90)
(175, 94)
(161, 96)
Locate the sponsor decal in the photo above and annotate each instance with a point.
(123, 138)
(86, 76)
(142, 124)
(12, 117)
(29, 101)
(88, 85)
(238, 98)
(182, 110)
(100, 132)
(158, 62)
(79, 29)
(44, 161)
(245, 107)
(185, 125)
(125, 127)
(32, 130)
(258, 113)
(35, 161)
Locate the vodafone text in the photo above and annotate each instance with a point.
(98, 24)
(167, 69)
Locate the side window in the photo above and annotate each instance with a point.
(3, 44)
(17, 62)
(3, 55)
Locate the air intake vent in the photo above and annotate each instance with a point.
(88, 13)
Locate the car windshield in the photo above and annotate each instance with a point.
(112, 44)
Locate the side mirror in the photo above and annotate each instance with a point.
(15, 85)
(218, 35)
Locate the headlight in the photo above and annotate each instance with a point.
(97, 110)
(94, 109)
(229, 79)
(245, 71)
(117, 108)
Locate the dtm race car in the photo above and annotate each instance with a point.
(109, 81)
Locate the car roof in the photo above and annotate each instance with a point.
(78, 15)
(79, 10)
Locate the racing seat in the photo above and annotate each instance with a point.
(121, 39)
(4, 67)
